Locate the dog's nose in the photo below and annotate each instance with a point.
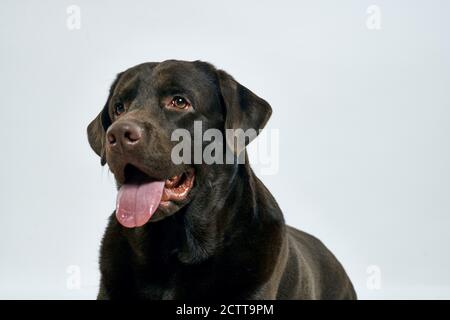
(124, 133)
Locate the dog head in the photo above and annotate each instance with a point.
(133, 132)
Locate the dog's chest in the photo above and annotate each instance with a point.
(174, 283)
(156, 292)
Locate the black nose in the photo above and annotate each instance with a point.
(127, 134)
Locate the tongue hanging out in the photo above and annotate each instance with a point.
(140, 196)
(137, 202)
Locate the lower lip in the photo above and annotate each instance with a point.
(164, 203)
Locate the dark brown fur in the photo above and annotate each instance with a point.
(228, 239)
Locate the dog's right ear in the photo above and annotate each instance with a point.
(96, 130)
(244, 109)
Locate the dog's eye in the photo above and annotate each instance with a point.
(119, 108)
(179, 103)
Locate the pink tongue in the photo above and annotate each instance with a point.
(136, 203)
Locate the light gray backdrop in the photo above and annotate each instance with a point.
(362, 112)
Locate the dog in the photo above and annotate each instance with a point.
(196, 231)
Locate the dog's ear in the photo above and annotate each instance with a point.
(244, 110)
(96, 130)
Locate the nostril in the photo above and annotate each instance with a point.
(123, 133)
(133, 135)
(111, 138)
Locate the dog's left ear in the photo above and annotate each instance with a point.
(96, 137)
(244, 109)
(96, 130)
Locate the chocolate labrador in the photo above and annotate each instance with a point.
(196, 230)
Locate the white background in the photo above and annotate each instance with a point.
(363, 117)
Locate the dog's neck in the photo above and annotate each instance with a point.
(193, 235)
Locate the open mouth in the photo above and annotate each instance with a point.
(140, 196)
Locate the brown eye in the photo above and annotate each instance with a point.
(179, 103)
(119, 108)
